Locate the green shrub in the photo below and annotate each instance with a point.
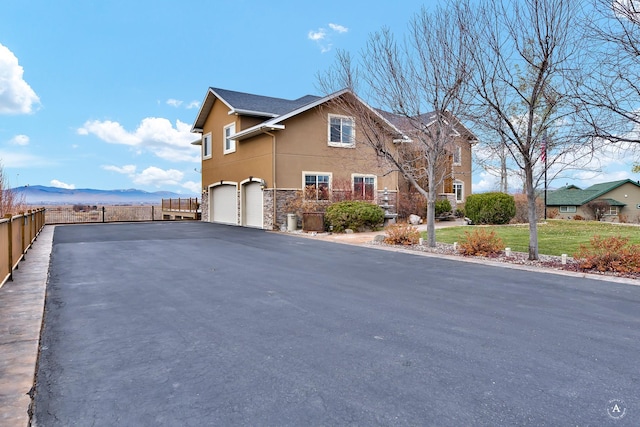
(490, 208)
(481, 243)
(402, 234)
(442, 206)
(609, 254)
(353, 214)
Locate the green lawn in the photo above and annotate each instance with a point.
(555, 237)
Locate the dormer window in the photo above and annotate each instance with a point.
(341, 131)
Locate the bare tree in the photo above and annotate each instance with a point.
(418, 85)
(522, 51)
(10, 201)
(611, 89)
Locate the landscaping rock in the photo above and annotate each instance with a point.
(414, 219)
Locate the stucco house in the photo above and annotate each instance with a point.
(621, 200)
(259, 153)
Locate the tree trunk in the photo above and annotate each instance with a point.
(431, 212)
(532, 214)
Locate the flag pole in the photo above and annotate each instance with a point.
(544, 153)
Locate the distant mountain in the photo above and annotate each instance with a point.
(42, 195)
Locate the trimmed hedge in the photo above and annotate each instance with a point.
(353, 214)
(490, 208)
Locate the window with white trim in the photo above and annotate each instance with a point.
(229, 144)
(364, 187)
(612, 210)
(341, 131)
(568, 209)
(206, 146)
(457, 156)
(458, 190)
(316, 186)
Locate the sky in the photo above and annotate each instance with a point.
(104, 94)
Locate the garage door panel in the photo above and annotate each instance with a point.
(252, 205)
(224, 204)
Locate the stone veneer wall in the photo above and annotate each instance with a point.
(204, 205)
(267, 210)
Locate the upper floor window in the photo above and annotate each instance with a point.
(364, 187)
(458, 190)
(457, 156)
(316, 186)
(229, 144)
(206, 146)
(341, 131)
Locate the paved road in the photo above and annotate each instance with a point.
(192, 324)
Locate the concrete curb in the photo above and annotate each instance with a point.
(366, 240)
(21, 312)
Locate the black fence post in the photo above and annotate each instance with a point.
(103, 214)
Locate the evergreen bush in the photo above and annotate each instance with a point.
(490, 208)
(355, 215)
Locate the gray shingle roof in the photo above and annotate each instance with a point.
(262, 104)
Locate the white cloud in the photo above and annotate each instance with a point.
(338, 28)
(16, 96)
(174, 102)
(23, 160)
(317, 35)
(19, 140)
(322, 36)
(192, 105)
(151, 176)
(193, 187)
(60, 184)
(158, 177)
(126, 169)
(154, 134)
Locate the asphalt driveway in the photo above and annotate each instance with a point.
(189, 323)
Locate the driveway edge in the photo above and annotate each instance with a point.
(22, 303)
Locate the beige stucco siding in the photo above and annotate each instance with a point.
(252, 157)
(304, 146)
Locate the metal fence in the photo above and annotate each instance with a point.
(98, 214)
(17, 233)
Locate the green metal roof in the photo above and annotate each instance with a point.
(575, 196)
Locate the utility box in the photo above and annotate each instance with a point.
(292, 222)
(313, 221)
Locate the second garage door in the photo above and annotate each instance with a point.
(252, 205)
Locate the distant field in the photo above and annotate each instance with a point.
(555, 237)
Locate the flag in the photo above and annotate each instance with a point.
(543, 150)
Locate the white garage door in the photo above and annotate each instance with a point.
(224, 204)
(252, 205)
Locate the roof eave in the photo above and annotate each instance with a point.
(256, 130)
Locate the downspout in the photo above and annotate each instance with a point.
(273, 178)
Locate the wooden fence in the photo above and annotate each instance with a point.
(181, 208)
(17, 233)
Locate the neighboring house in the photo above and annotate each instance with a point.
(260, 153)
(620, 200)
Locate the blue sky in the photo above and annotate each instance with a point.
(103, 94)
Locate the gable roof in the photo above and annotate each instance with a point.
(572, 195)
(248, 104)
(407, 125)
